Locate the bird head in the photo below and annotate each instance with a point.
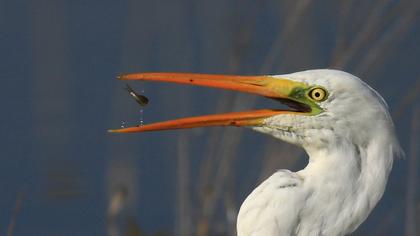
(343, 109)
(325, 107)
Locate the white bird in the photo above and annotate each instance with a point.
(341, 122)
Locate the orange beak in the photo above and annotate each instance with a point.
(267, 86)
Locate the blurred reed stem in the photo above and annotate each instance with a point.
(383, 47)
(343, 56)
(407, 100)
(412, 176)
(292, 19)
(18, 206)
(183, 226)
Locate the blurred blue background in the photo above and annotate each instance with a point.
(61, 173)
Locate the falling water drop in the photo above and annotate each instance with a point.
(141, 117)
(141, 112)
(122, 124)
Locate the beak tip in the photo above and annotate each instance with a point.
(123, 77)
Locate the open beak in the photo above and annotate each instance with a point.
(267, 86)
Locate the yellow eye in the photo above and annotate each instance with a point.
(318, 94)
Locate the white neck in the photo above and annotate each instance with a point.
(349, 178)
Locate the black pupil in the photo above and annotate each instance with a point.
(317, 94)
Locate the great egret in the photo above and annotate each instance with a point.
(341, 122)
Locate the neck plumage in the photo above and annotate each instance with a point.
(355, 173)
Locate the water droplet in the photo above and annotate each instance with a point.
(122, 124)
(141, 117)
